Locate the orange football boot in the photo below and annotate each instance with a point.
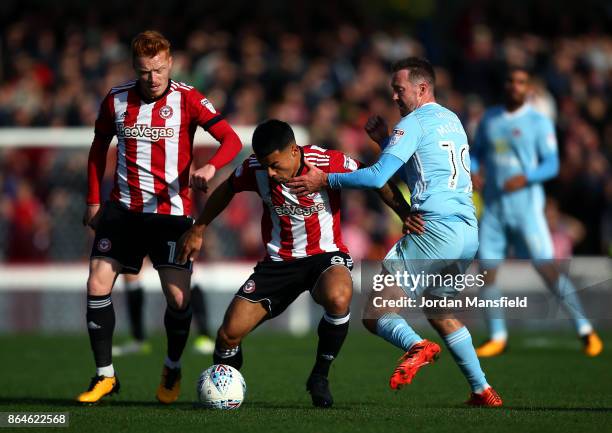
(491, 348)
(170, 387)
(100, 386)
(488, 398)
(592, 344)
(420, 354)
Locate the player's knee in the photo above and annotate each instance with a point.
(97, 286)
(228, 337)
(178, 301)
(338, 301)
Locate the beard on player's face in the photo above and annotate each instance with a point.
(515, 98)
(516, 89)
(404, 107)
(407, 102)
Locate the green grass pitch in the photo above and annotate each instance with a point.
(545, 381)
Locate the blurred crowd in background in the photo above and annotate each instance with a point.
(323, 67)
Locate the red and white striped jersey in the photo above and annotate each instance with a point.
(154, 146)
(294, 227)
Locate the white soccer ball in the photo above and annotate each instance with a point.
(221, 387)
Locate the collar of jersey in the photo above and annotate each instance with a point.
(302, 164)
(428, 103)
(516, 113)
(417, 109)
(150, 101)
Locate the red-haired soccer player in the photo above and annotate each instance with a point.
(154, 119)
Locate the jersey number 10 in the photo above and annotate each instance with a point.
(453, 179)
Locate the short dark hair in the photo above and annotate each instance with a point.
(418, 68)
(512, 69)
(270, 136)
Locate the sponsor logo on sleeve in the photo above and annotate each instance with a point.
(205, 102)
(396, 136)
(350, 163)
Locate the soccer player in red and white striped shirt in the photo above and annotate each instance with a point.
(154, 119)
(304, 247)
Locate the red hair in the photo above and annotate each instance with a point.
(149, 43)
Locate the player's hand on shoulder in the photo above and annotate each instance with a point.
(377, 128)
(515, 183)
(190, 244)
(92, 214)
(202, 176)
(314, 180)
(414, 224)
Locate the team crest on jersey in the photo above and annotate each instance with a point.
(165, 112)
(249, 286)
(205, 102)
(104, 245)
(396, 136)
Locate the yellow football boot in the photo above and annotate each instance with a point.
(593, 345)
(99, 387)
(170, 387)
(491, 348)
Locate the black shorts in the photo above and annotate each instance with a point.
(278, 284)
(128, 237)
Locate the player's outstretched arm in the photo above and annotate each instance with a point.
(373, 177)
(191, 242)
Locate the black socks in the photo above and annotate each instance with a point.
(100, 325)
